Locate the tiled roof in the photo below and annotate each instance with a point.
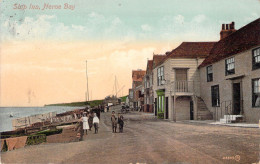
(149, 66)
(243, 39)
(157, 59)
(137, 75)
(190, 50)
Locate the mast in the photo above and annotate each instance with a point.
(87, 93)
(115, 86)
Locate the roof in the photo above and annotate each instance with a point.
(243, 39)
(149, 67)
(137, 75)
(136, 84)
(157, 59)
(190, 50)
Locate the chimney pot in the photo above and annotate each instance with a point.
(227, 27)
(223, 26)
(233, 25)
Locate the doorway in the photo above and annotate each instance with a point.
(236, 98)
(191, 110)
(156, 107)
(181, 74)
(166, 112)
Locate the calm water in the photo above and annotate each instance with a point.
(17, 112)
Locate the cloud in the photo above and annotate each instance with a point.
(199, 18)
(21, 67)
(146, 27)
(179, 19)
(42, 27)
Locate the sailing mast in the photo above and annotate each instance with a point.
(87, 93)
(115, 86)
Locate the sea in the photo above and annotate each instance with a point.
(18, 112)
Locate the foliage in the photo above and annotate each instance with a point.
(50, 132)
(36, 139)
(160, 115)
(5, 147)
(79, 104)
(123, 99)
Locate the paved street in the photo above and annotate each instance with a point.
(147, 140)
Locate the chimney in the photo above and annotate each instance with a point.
(227, 29)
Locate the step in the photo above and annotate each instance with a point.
(203, 112)
(224, 121)
(232, 117)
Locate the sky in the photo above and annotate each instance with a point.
(44, 52)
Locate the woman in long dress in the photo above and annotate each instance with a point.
(85, 123)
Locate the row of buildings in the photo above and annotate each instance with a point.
(204, 80)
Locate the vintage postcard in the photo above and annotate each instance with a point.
(130, 81)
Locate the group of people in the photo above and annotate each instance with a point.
(88, 120)
(115, 121)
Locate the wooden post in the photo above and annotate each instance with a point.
(174, 109)
(195, 107)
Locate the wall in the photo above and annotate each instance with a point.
(243, 66)
(169, 74)
(183, 108)
(27, 121)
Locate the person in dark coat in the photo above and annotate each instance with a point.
(121, 123)
(90, 120)
(114, 122)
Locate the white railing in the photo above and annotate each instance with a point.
(183, 86)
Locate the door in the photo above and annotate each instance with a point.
(181, 80)
(236, 98)
(191, 110)
(166, 112)
(156, 107)
(181, 74)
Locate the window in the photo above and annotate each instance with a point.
(256, 58)
(151, 80)
(209, 74)
(160, 75)
(256, 92)
(215, 96)
(230, 66)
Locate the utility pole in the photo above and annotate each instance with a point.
(87, 93)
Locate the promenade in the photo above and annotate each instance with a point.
(148, 140)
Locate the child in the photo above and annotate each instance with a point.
(121, 123)
(96, 122)
(114, 122)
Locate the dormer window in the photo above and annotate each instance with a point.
(256, 58)
(230, 66)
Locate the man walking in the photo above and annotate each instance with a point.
(114, 122)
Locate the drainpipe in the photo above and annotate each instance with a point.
(195, 99)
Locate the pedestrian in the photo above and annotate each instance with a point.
(121, 123)
(114, 122)
(90, 120)
(85, 123)
(96, 122)
(107, 108)
(79, 129)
